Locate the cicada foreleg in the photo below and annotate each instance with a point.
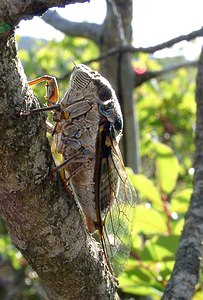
(52, 97)
(52, 92)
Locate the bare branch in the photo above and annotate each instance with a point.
(11, 12)
(86, 30)
(189, 255)
(187, 37)
(151, 49)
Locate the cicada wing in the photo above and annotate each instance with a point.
(119, 219)
(117, 199)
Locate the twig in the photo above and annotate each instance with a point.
(151, 49)
(141, 78)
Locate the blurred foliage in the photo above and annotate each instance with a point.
(166, 113)
(55, 58)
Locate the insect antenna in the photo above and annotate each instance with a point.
(73, 62)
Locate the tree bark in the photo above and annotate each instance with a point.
(11, 12)
(43, 220)
(189, 255)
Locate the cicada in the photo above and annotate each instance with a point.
(88, 129)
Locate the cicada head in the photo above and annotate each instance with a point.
(79, 85)
(80, 77)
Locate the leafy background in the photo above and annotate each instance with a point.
(166, 113)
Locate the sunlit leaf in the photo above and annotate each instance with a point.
(139, 280)
(180, 200)
(198, 296)
(167, 167)
(143, 290)
(149, 221)
(178, 227)
(146, 188)
(160, 249)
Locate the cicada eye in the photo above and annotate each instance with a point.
(104, 92)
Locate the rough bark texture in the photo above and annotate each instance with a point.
(43, 220)
(189, 255)
(12, 12)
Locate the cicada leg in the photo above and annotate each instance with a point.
(61, 166)
(52, 92)
(52, 95)
(50, 128)
(65, 162)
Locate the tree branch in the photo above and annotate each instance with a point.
(11, 12)
(189, 255)
(151, 49)
(142, 77)
(86, 30)
(187, 37)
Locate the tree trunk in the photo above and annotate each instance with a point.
(117, 68)
(189, 255)
(43, 220)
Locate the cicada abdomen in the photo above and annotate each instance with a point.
(89, 129)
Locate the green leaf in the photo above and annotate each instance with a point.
(160, 249)
(180, 201)
(147, 188)
(149, 221)
(178, 227)
(198, 295)
(144, 290)
(167, 168)
(140, 281)
(135, 274)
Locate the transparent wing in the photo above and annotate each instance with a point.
(117, 199)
